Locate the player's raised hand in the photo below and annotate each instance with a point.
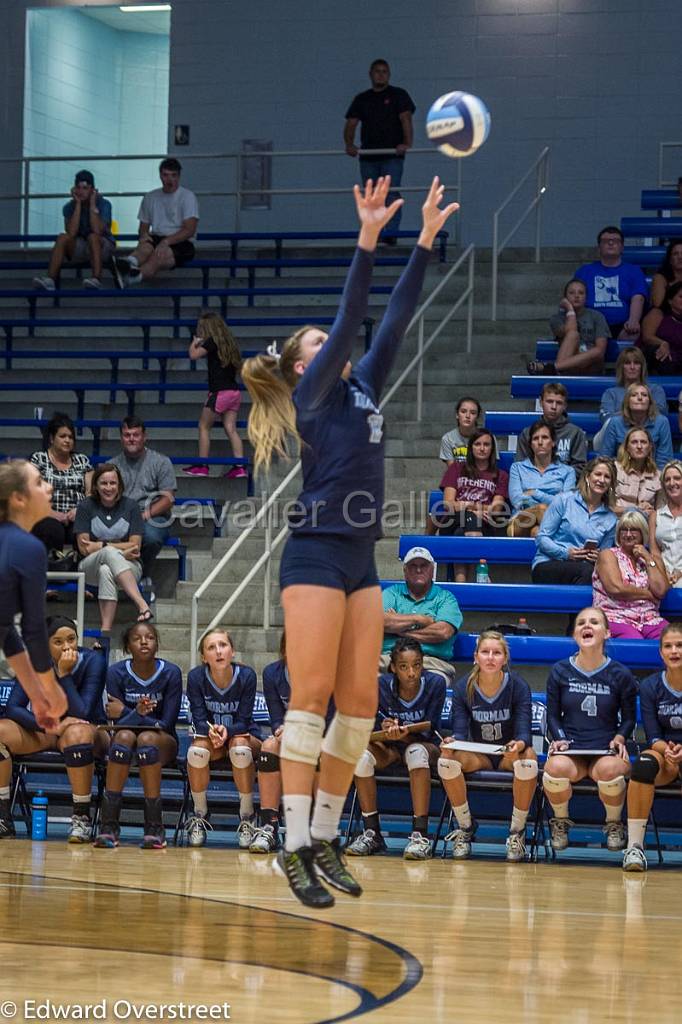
(433, 216)
(373, 213)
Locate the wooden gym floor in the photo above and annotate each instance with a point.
(435, 941)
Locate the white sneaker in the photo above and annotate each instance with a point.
(418, 847)
(634, 859)
(558, 832)
(46, 283)
(264, 840)
(367, 843)
(133, 278)
(196, 829)
(615, 835)
(92, 282)
(516, 847)
(81, 829)
(461, 842)
(246, 832)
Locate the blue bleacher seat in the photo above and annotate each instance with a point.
(661, 199)
(501, 423)
(584, 388)
(546, 349)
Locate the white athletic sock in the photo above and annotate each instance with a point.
(79, 799)
(245, 805)
(518, 820)
(559, 810)
(297, 819)
(636, 831)
(326, 815)
(132, 260)
(4, 792)
(463, 815)
(200, 803)
(614, 812)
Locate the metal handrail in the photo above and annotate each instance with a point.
(265, 512)
(662, 182)
(79, 577)
(541, 168)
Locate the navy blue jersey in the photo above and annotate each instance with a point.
(590, 708)
(500, 719)
(661, 709)
(339, 421)
(23, 565)
(83, 687)
(425, 706)
(277, 690)
(231, 706)
(164, 686)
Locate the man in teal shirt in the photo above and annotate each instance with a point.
(419, 608)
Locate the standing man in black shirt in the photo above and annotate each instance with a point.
(385, 113)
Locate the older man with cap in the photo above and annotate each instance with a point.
(421, 609)
(87, 234)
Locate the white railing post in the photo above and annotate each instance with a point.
(267, 575)
(470, 301)
(495, 254)
(420, 367)
(25, 212)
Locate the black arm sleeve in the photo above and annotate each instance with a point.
(554, 726)
(244, 716)
(172, 699)
(628, 706)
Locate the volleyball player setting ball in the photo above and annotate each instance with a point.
(328, 579)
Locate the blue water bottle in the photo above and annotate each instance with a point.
(39, 816)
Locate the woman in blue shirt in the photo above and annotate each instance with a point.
(639, 410)
(328, 578)
(576, 526)
(533, 482)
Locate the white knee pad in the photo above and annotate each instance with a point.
(614, 787)
(302, 737)
(364, 769)
(416, 756)
(198, 757)
(525, 770)
(240, 756)
(448, 768)
(347, 737)
(553, 785)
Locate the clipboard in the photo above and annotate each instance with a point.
(379, 736)
(583, 752)
(491, 749)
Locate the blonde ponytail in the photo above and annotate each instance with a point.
(12, 481)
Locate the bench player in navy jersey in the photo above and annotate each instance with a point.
(490, 705)
(591, 705)
(80, 674)
(330, 593)
(660, 696)
(277, 693)
(407, 695)
(221, 694)
(25, 499)
(144, 696)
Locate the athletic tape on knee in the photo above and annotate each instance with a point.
(147, 756)
(120, 754)
(612, 787)
(448, 768)
(268, 762)
(645, 769)
(364, 769)
(240, 756)
(4, 752)
(78, 756)
(347, 737)
(525, 769)
(302, 737)
(553, 785)
(198, 757)
(416, 756)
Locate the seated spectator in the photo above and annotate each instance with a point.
(534, 482)
(80, 674)
(662, 333)
(638, 410)
(144, 694)
(221, 694)
(69, 472)
(422, 610)
(665, 523)
(453, 445)
(407, 695)
(490, 705)
(148, 479)
(629, 582)
(631, 368)
(571, 440)
(669, 272)
(638, 483)
(86, 236)
(108, 530)
(582, 335)
(575, 526)
(168, 219)
(614, 288)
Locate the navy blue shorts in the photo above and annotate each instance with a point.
(340, 563)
